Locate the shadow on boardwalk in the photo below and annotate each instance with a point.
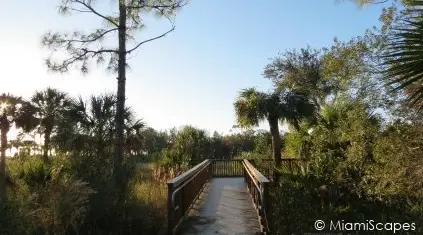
(224, 207)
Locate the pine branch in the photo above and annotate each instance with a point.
(80, 56)
(94, 38)
(142, 4)
(149, 40)
(96, 12)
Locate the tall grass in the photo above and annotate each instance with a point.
(55, 198)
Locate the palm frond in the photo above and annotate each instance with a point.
(404, 57)
(250, 107)
(296, 106)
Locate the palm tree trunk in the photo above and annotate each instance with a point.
(3, 165)
(276, 145)
(276, 141)
(46, 146)
(120, 104)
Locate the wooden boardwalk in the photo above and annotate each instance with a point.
(224, 207)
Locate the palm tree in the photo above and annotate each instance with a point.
(13, 111)
(89, 126)
(404, 57)
(252, 107)
(93, 123)
(50, 105)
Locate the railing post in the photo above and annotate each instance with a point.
(211, 169)
(170, 209)
(267, 206)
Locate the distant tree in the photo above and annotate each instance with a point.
(154, 141)
(216, 142)
(50, 105)
(124, 19)
(133, 132)
(235, 144)
(14, 111)
(263, 143)
(192, 144)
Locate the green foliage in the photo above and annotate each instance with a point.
(11, 219)
(357, 171)
(293, 143)
(35, 175)
(300, 71)
(399, 151)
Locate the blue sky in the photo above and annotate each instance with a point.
(193, 75)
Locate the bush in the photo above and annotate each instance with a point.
(301, 200)
(358, 171)
(45, 199)
(11, 220)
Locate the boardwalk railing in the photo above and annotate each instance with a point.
(183, 191)
(258, 186)
(227, 168)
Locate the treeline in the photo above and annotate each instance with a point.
(72, 125)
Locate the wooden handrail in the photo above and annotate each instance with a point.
(258, 186)
(183, 191)
(254, 172)
(180, 179)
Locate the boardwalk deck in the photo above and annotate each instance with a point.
(224, 207)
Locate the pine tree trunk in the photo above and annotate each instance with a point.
(3, 165)
(120, 105)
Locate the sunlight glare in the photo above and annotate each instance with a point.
(3, 106)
